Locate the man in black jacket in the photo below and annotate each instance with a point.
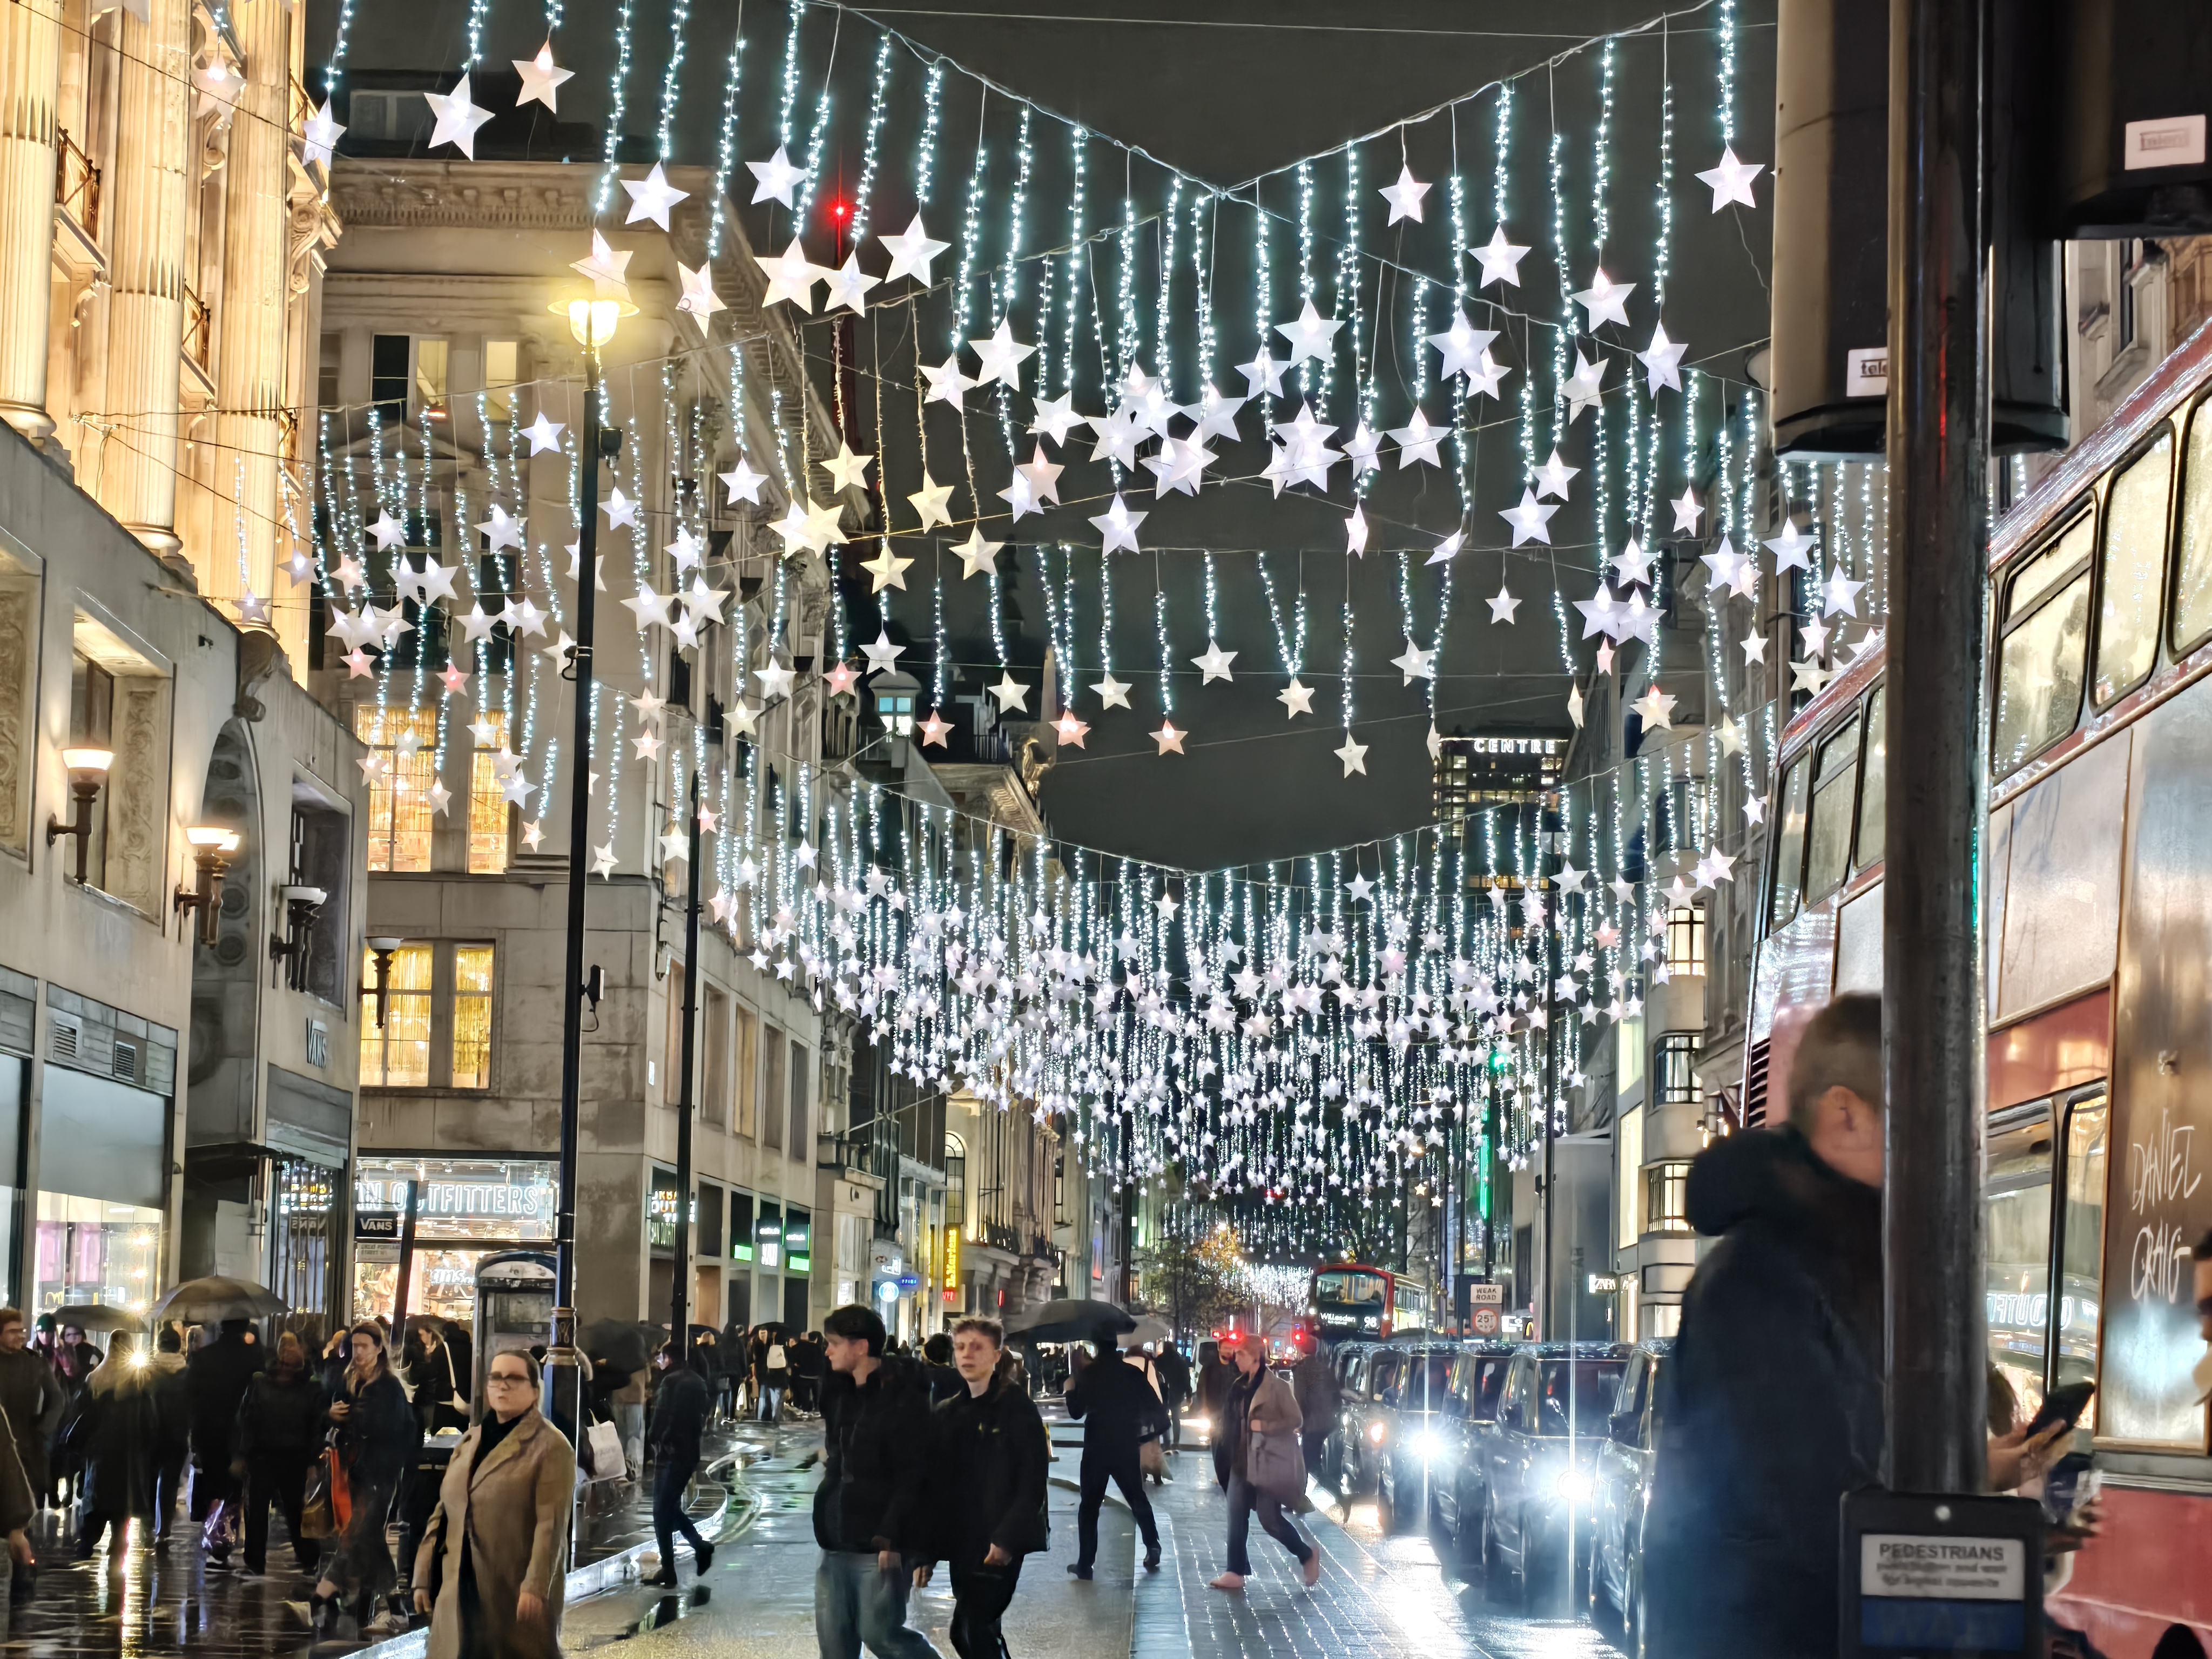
(989, 1488)
(868, 1510)
(1118, 1409)
(216, 1380)
(1772, 1404)
(681, 1402)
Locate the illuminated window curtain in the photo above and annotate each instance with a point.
(488, 843)
(398, 1056)
(404, 743)
(472, 1016)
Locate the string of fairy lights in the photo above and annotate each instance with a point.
(1305, 1032)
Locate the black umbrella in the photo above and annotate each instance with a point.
(1064, 1319)
(621, 1343)
(90, 1316)
(210, 1301)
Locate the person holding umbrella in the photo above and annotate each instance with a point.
(1118, 1409)
(215, 1381)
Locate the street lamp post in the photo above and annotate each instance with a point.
(592, 322)
(679, 1299)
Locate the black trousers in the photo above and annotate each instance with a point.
(1220, 1449)
(278, 1477)
(981, 1595)
(1122, 1469)
(1316, 1447)
(671, 1474)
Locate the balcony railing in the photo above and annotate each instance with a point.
(199, 328)
(76, 185)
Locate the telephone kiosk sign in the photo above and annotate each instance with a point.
(1933, 1575)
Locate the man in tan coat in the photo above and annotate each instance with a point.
(494, 1555)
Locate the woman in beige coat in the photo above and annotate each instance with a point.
(495, 1551)
(1260, 1403)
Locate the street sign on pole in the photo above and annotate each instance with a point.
(1485, 1321)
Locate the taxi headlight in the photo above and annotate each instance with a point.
(1570, 1484)
(1375, 1433)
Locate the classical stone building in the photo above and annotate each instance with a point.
(176, 1079)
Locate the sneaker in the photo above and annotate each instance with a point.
(301, 1611)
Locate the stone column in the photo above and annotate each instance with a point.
(250, 330)
(30, 73)
(149, 198)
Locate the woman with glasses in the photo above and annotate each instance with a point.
(494, 1556)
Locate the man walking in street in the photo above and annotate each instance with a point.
(1313, 1380)
(680, 1405)
(1117, 1409)
(1175, 1387)
(216, 1380)
(868, 1510)
(1772, 1406)
(988, 1492)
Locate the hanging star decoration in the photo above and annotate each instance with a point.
(1730, 181)
(1501, 261)
(542, 78)
(651, 196)
(457, 120)
(1530, 519)
(1604, 302)
(886, 569)
(913, 253)
(1354, 756)
(1168, 738)
(1297, 699)
(1405, 196)
(1214, 664)
(776, 178)
(1112, 693)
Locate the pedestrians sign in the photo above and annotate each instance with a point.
(1485, 1321)
(1940, 1575)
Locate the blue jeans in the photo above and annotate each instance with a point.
(670, 1476)
(1243, 1498)
(856, 1601)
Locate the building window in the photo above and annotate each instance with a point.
(397, 1054)
(327, 371)
(92, 726)
(1686, 939)
(714, 1048)
(431, 358)
(798, 1145)
(2123, 301)
(1674, 1068)
(772, 1095)
(402, 765)
(321, 841)
(487, 814)
(745, 1068)
(956, 1184)
(472, 1016)
(437, 1030)
(499, 377)
(1665, 1191)
(388, 363)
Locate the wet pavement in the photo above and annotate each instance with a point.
(1386, 1591)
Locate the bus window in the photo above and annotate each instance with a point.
(2016, 1207)
(2081, 1246)
(1874, 782)
(1789, 848)
(1828, 842)
(2193, 584)
(2134, 566)
(2040, 667)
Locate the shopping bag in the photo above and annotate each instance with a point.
(341, 1493)
(1152, 1459)
(602, 1457)
(222, 1531)
(317, 1519)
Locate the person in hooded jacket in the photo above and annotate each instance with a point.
(987, 1491)
(869, 1512)
(1770, 1407)
(681, 1403)
(117, 1433)
(216, 1379)
(280, 1434)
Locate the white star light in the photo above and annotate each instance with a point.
(929, 501)
(1013, 697)
(979, 556)
(1002, 356)
(1118, 526)
(1354, 756)
(388, 532)
(1501, 261)
(1529, 519)
(1838, 593)
(1731, 180)
(743, 483)
(607, 270)
(946, 382)
(1416, 664)
(777, 177)
(1687, 511)
(1447, 549)
(790, 276)
(1554, 476)
(847, 471)
(913, 251)
(1502, 607)
(1487, 378)
(1662, 362)
(544, 435)
(1462, 346)
(1214, 664)
(699, 299)
(650, 196)
(849, 286)
(318, 139)
(1263, 371)
(1405, 196)
(503, 530)
(1585, 387)
(1790, 549)
(458, 119)
(1355, 533)
(1416, 440)
(1112, 693)
(1656, 708)
(1311, 335)
(1604, 302)
(1296, 698)
(541, 79)
(1055, 417)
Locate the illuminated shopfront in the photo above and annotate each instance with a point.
(465, 1209)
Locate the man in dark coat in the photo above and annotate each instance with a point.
(869, 1515)
(31, 1394)
(1772, 1406)
(1175, 1387)
(1117, 1409)
(1216, 1378)
(1313, 1381)
(216, 1380)
(987, 1494)
(681, 1402)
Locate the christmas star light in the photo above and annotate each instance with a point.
(1405, 196)
(1501, 261)
(541, 79)
(650, 196)
(1730, 181)
(913, 253)
(458, 119)
(775, 178)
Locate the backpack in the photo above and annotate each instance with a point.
(776, 1362)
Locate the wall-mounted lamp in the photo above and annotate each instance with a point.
(290, 947)
(87, 770)
(211, 850)
(381, 949)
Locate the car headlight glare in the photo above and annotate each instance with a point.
(1201, 1425)
(1570, 1483)
(1375, 1433)
(1427, 1444)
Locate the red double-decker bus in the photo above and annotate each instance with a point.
(1348, 1299)
(2096, 874)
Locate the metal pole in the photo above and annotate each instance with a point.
(564, 1385)
(406, 1265)
(679, 1300)
(1545, 1297)
(1938, 438)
